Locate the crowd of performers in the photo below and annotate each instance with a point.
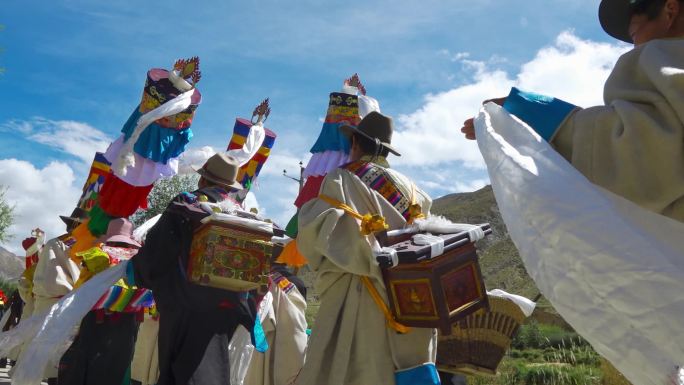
(206, 293)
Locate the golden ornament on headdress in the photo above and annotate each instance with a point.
(355, 81)
(262, 111)
(189, 69)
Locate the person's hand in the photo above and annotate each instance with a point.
(468, 128)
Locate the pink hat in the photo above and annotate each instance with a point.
(120, 230)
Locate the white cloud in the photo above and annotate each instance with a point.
(39, 196)
(194, 157)
(275, 193)
(74, 138)
(434, 152)
(572, 69)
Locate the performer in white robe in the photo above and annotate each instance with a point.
(612, 269)
(285, 328)
(351, 343)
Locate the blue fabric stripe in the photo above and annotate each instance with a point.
(543, 113)
(425, 374)
(130, 273)
(331, 139)
(157, 143)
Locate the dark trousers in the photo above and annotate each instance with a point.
(102, 351)
(186, 338)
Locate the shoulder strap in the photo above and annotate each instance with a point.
(378, 179)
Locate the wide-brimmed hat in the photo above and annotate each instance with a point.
(119, 230)
(77, 216)
(615, 16)
(376, 127)
(221, 169)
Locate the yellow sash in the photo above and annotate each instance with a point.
(370, 223)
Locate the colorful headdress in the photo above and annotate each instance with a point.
(152, 139)
(331, 149)
(251, 144)
(158, 130)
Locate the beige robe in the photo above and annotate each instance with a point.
(285, 329)
(634, 145)
(145, 364)
(54, 278)
(350, 342)
(55, 275)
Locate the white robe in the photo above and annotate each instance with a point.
(634, 144)
(351, 343)
(285, 329)
(612, 269)
(55, 275)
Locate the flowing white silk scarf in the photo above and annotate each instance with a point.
(613, 270)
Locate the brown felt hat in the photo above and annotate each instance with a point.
(615, 16)
(221, 169)
(376, 127)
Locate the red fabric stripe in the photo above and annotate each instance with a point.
(119, 199)
(310, 190)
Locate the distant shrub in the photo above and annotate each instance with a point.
(529, 337)
(8, 287)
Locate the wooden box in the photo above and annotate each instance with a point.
(230, 256)
(435, 292)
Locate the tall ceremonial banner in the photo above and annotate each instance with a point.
(612, 269)
(96, 177)
(152, 139)
(331, 149)
(251, 145)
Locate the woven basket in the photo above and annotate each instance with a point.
(478, 343)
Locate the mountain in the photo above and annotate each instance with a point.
(11, 266)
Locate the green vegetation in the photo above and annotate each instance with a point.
(546, 355)
(162, 193)
(8, 287)
(6, 215)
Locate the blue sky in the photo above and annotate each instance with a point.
(75, 70)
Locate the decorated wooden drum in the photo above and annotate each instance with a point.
(232, 254)
(435, 291)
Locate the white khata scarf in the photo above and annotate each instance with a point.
(613, 270)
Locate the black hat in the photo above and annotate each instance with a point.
(376, 127)
(77, 216)
(615, 16)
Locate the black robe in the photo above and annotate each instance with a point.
(190, 315)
